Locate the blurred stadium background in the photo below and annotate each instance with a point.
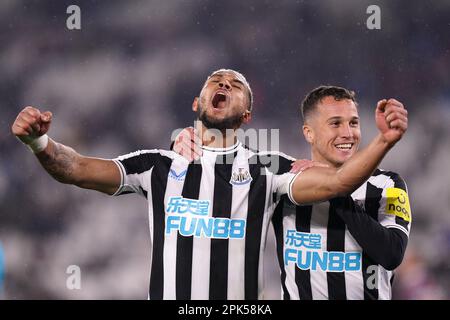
(127, 79)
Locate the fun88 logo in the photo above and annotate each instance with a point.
(305, 250)
(189, 217)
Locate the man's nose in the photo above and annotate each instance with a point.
(225, 85)
(346, 131)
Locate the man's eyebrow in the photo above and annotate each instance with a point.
(238, 81)
(218, 75)
(340, 118)
(334, 118)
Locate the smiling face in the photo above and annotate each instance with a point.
(224, 101)
(333, 130)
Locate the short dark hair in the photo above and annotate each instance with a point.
(311, 100)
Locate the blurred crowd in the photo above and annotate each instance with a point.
(126, 80)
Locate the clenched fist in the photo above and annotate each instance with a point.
(31, 123)
(392, 120)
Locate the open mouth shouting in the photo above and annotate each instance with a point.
(220, 99)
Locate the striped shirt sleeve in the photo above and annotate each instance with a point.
(278, 164)
(395, 208)
(135, 170)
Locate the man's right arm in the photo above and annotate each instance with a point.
(319, 184)
(67, 166)
(62, 162)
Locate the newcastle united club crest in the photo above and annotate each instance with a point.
(241, 177)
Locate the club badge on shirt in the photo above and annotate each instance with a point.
(242, 176)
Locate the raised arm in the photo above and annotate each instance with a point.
(62, 162)
(318, 183)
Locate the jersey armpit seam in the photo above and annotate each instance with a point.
(121, 169)
(397, 227)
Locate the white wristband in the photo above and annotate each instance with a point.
(38, 144)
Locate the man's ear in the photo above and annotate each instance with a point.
(195, 104)
(246, 117)
(308, 133)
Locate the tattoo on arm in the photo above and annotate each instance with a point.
(60, 162)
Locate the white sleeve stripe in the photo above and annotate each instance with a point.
(135, 154)
(277, 153)
(166, 153)
(291, 183)
(398, 227)
(122, 173)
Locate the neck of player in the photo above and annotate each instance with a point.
(214, 138)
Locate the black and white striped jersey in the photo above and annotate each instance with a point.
(208, 221)
(318, 256)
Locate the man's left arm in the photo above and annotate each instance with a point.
(383, 240)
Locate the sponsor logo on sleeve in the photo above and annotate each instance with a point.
(397, 203)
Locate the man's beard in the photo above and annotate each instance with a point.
(232, 122)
